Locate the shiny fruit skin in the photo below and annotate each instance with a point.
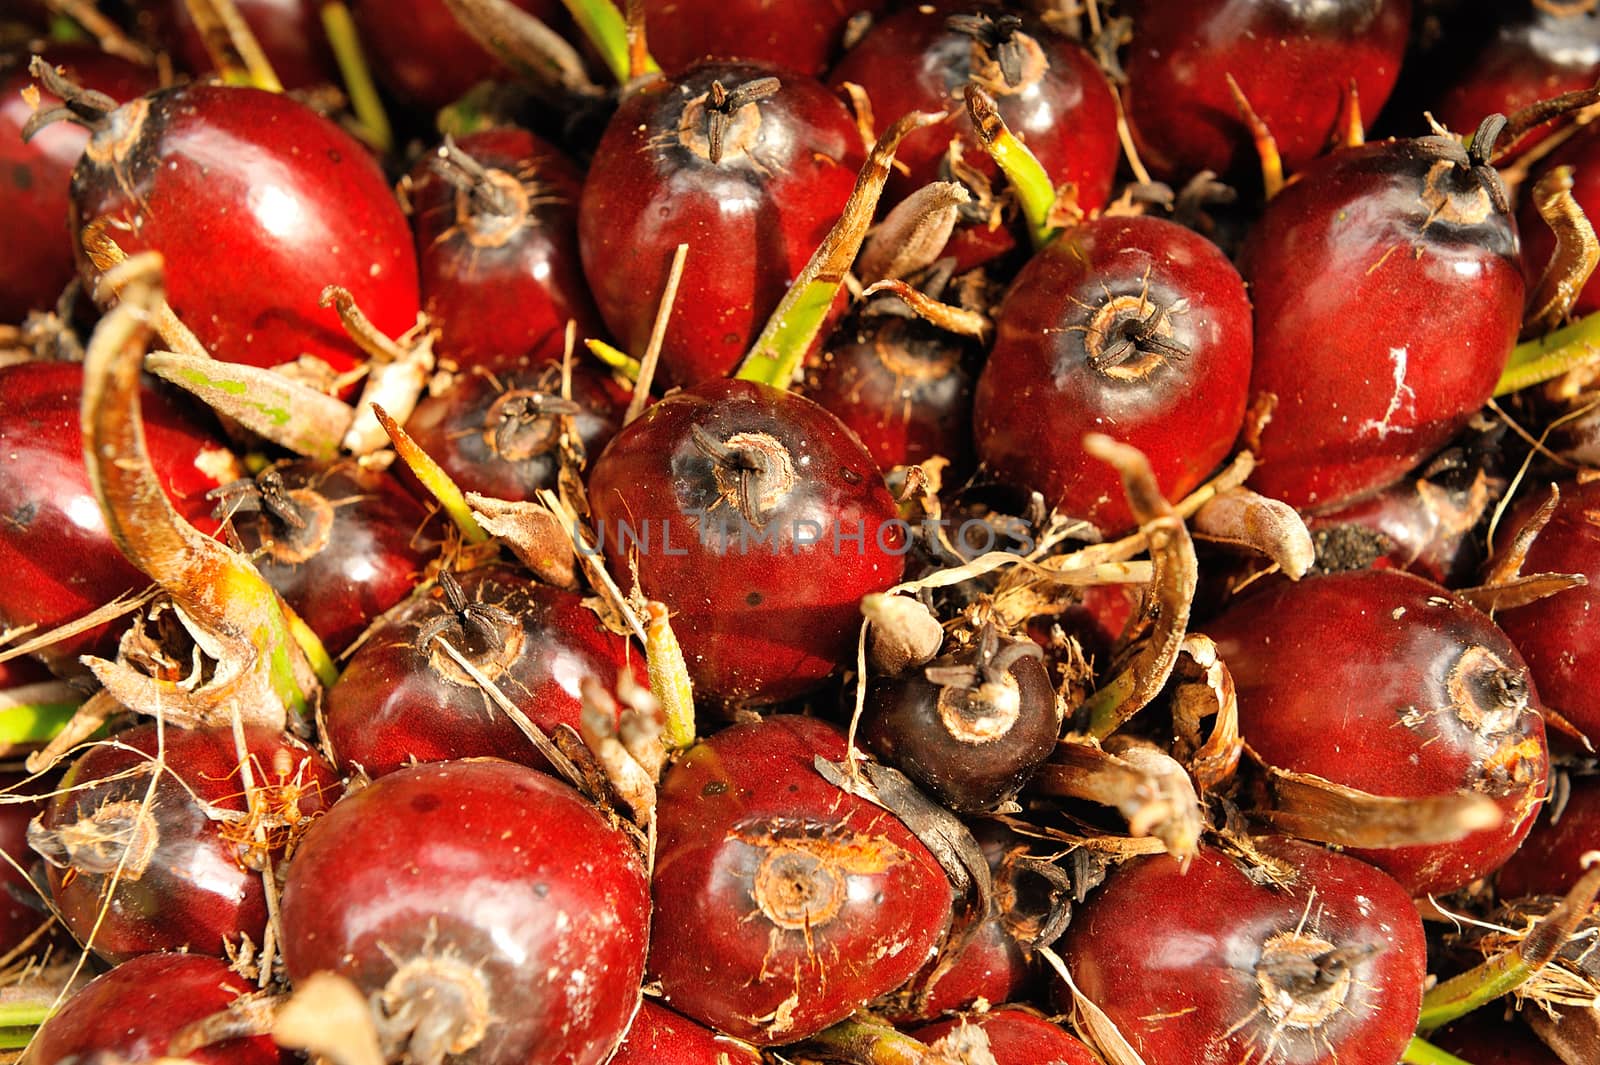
(1050, 377)
(1016, 1037)
(763, 611)
(36, 176)
(54, 546)
(660, 1037)
(783, 904)
(804, 35)
(1388, 295)
(257, 204)
(1064, 111)
(361, 550)
(502, 287)
(1557, 635)
(1172, 957)
(1550, 860)
(1384, 682)
(1293, 61)
(193, 889)
(751, 220)
(1531, 58)
(489, 864)
(396, 703)
(131, 1014)
(489, 434)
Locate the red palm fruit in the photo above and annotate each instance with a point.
(289, 32)
(803, 35)
(403, 699)
(424, 56)
(53, 541)
(760, 521)
(496, 219)
(1219, 963)
(1047, 88)
(37, 176)
(1015, 1037)
(783, 904)
(183, 870)
(132, 1013)
(1388, 295)
(660, 1037)
(1555, 635)
(257, 204)
(1550, 860)
(488, 912)
(1133, 327)
(751, 183)
(1384, 682)
(1293, 62)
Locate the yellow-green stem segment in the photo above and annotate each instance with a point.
(607, 30)
(1548, 357)
(1026, 175)
(433, 478)
(1421, 1052)
(364, 99)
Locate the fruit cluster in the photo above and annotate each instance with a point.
(951, 532)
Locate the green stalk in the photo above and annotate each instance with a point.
(607, 30)
(311, 644)
(358, 85)
(776, 356)
(616, 358)
(1543, 359)
(864, 1042)
(1421, 1052)
(34, 722)
(25, 1014)
(433, 478)
(1029, 180)
(1505, 972)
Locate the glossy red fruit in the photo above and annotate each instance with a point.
(498, 431)
(257, 204)
(185, 877)
(1582, 153)
(752, 208)
(1294, 62)
(340, 543)
(496, 221)
(1557, 635)
(1384, 682)
(1534, 56)
(1217, 963)
(760, 521)
(289, 32)
(803, 35)
(1053, 96)
(22, 909)
(1388, 295)
(1015, 1037)
(1550, 860)
(901, 385)
(54, 547)
(36, 176)
(487, 910)
(422, 53)
(783, 904)
(132, 1013)
(660, 1037)
(402, 698)
(1133, 327)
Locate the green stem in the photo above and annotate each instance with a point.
(863, 1042)
(607, 30)
(1479, 986)
(34, 722)
(669, 678)
(1027, 176)
(1548, 357)
(321, 661)
(433, 478)
(25, 1014)
(616, 358)
(358, 85)
(1421, 1052)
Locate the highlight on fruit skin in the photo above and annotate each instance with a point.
(969, 532)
